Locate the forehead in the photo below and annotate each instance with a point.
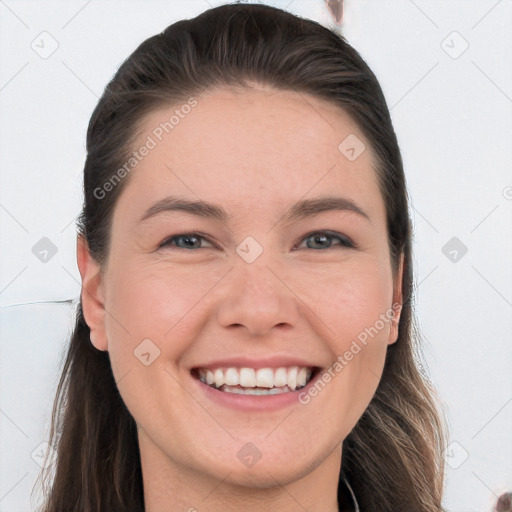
(247, 121)
(252, 148)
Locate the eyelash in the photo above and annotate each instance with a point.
(345, 242)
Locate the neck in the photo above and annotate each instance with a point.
(169, 487)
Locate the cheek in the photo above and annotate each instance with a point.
(352, 301)
(146, 302)
(153, 319)
(355, 304)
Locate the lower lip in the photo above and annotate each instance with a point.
(254, 402)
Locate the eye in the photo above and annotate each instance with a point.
(320, 240)
(185, 241)
(323, 240)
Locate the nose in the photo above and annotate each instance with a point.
(257, 298)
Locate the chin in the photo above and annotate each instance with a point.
(267, 472)
(266, 476)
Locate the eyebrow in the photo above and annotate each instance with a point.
(301, 209)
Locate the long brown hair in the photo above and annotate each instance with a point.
(393, 457)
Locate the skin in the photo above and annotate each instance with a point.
(254, 152)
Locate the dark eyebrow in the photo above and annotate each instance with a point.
(300, 210)
(309, 207)
(200, 208)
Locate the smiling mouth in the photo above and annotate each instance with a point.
(261, 381)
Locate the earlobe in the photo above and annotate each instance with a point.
(92, 294)
(397, 302)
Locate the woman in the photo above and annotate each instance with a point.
(244, 339)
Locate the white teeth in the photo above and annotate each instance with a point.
(265, 378)
(254, 391)
(301, 377)
(261, 381)
(218, 377)
(247, 378)
(231, 377)
(291, 378)
(280, 377)
(229, 389)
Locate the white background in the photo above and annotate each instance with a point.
(452, 111)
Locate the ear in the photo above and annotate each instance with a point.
(92, 295)
(397, 301)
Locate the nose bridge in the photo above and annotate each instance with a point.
(256, 297)
(260, 284)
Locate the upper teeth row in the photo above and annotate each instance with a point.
(294, 377)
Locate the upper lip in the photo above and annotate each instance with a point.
(260, 362)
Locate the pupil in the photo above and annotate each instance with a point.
(320, 239)
(189, 240)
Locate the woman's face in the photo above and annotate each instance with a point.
(286, 264)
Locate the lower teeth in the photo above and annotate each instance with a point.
(253, 391)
